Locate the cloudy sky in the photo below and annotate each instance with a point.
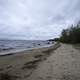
(36, 19)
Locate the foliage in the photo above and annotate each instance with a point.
(71, 35)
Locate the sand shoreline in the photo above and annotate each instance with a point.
(22, 64)
(58, 62)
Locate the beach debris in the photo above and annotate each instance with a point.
(31, 64)
(39, 44)
(7, 76)
(38, 56)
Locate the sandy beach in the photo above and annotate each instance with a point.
(58, 62)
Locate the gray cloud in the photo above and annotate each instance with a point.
(36, 19)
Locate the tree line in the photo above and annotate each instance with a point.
(71, 34)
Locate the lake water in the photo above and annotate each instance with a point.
(8, 45)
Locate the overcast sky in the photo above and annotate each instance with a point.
(36, 19)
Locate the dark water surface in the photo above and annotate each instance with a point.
(8, 45)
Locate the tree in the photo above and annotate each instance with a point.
(71, 35)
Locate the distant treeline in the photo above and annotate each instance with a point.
(71, 35)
